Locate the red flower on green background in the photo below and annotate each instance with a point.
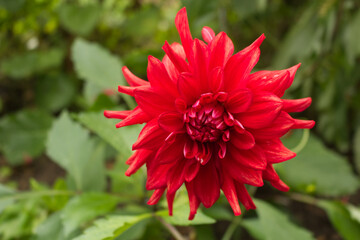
(210, 123)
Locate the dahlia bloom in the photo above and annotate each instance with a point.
(210, 123)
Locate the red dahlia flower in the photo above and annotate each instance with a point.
(210, 123)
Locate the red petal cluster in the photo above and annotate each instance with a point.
(210, 123)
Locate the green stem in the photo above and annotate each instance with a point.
(303, 141)
(174, 232)
(232, 227)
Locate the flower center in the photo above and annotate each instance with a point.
(207, 120)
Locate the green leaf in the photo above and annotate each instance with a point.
(254, 227)
(53, 229)
(28, 63)
(95, 64)
(4, 191)
(84, 208)
(23, 134)
(121, 139)
(341, 219)
(273, 224)
(77, 19)
(111, 227)
(317, 169)
(70, 146)
(351, 37)
(357, 148)
(181, 215)
(54, 92)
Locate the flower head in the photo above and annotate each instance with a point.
(210, 123)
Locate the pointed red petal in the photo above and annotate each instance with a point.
(229, 191)
(150, 137)
(182, 25)
(265, 107)
(155, 197)
(139, 158)
(275, 151)
(193, 200)
(207, 34)
(200, 65)
(281, 125)
(296, 105)
(273, 81)
(192, 168)
(253, 158)
(176, 176)
(216, 80)
(188, 88)
(171, 121)
(239, 101)
(206, 184)
(137, 116)
(238, 67)
(170, 200)
(303, 124)
(242, 140)
(244, 196)
(152, 102)
(221, 49)
(176, 54)
(117, 114)
(132, 79)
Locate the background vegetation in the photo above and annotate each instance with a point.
(62, 163)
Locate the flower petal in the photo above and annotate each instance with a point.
(244, 196)
(270, 175)
(159, 77)
(133, 80)
(200, 64)
(253, 158)
(281, 125)
(176, 175)
(137, 116)
(275, 151)
(170, 200)
(155, 197)
(273, 81)
(171, 151)
(139, 158)
(239, 101)
(206, 184)
(192, 168)
(182, 25)
(193, 200)
(238, 68)
(265, 107)
(157, 175)
(176, 54)
(216, 79)
(296, 105)
(241, 173)
(303, 124)
(242, 140)
(221, 49)
(171, 121)
(229, 191)
(150, 137)
(152, 102)
(188, 88)
(207, 34)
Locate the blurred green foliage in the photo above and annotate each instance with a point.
(60, 63)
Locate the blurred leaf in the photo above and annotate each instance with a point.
(303, 39)
(13, 5)
(273, 224)
(111, 227)
(341, 219)
(181, 215)
(77, 19)
(357, 147)
(4, 191)
(25, 64)
(254, 227)
(327, 172)
(351, 38)
(101, 103)
(121, 139)
(219, 212)
(54, 92)
(205, 232)
(354, 212)
(52, 228)
(23, 134)
(247, 8)
(95, 64)
(70, 146)
(135, 231)
(84, 208)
